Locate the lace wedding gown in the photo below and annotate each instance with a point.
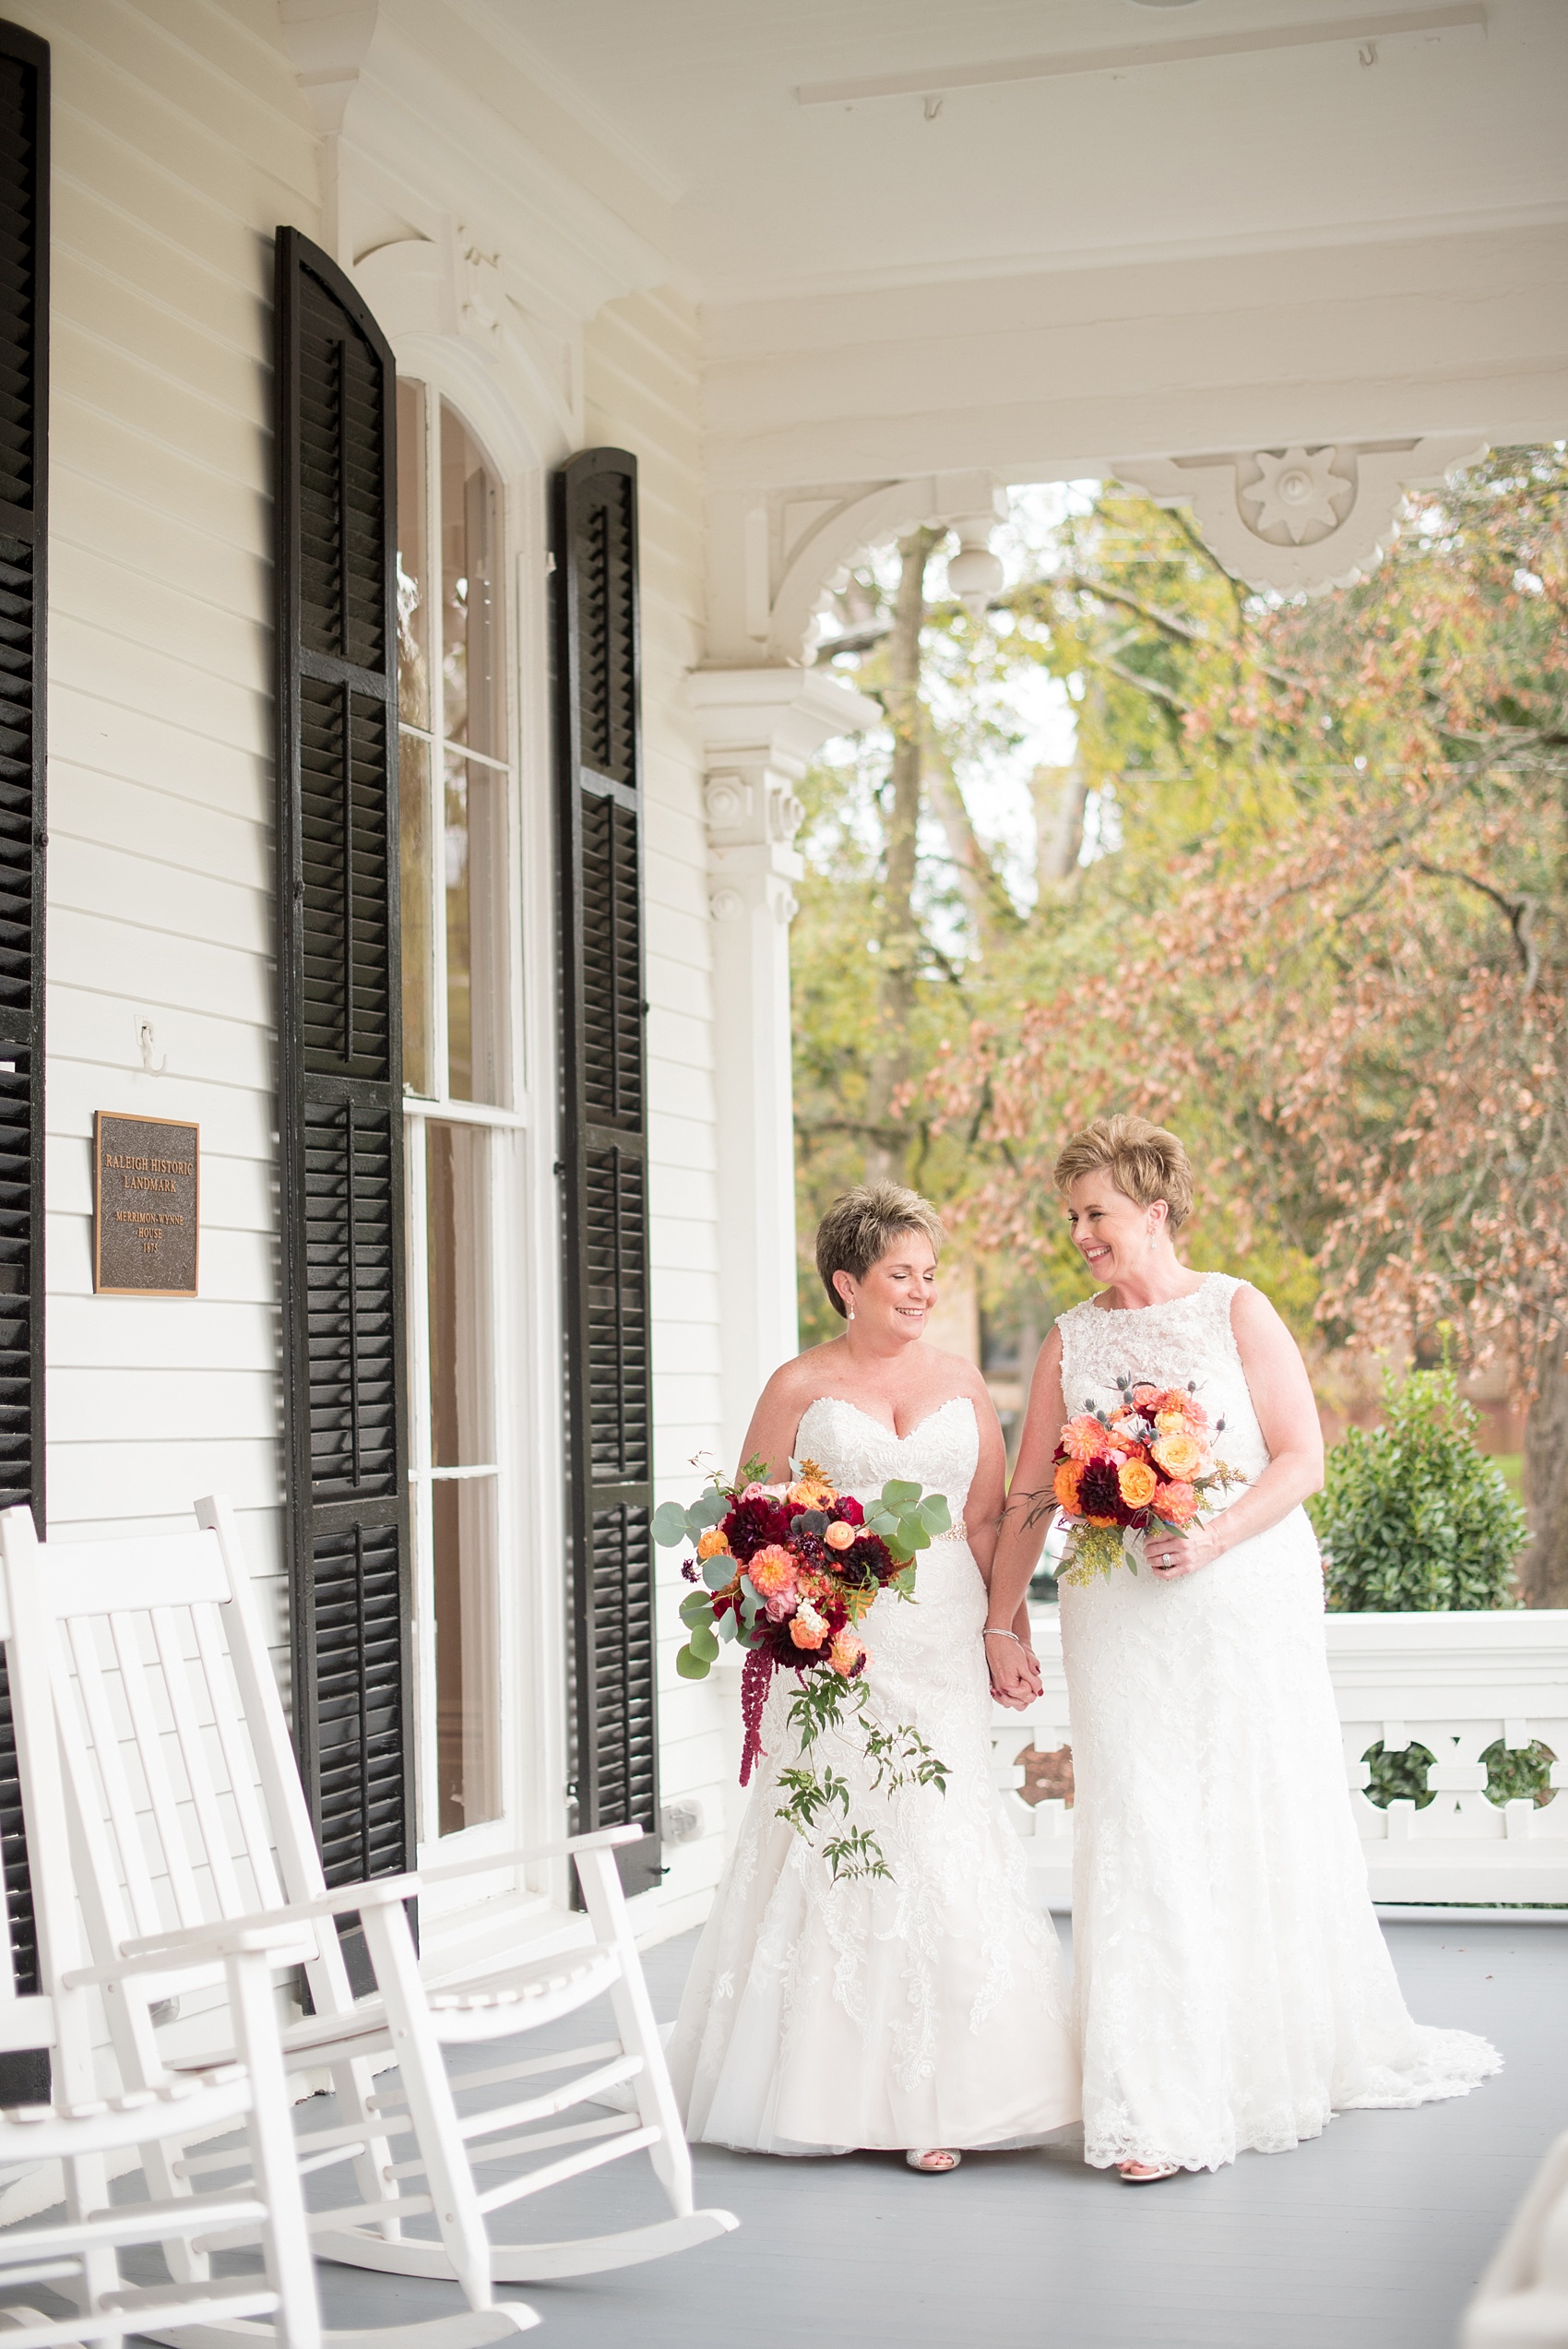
(925, 2009)
(1232, 1986)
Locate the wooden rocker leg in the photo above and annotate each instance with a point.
(467, 2328)
(531, 2262)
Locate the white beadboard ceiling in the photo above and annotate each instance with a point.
(807, 146)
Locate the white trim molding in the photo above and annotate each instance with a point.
(1302, 519)
(778, 555)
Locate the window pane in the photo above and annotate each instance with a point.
(463, 1509)
(469, 548)
(418, 973)
(476, 867)
(459, 935)
(413, 568)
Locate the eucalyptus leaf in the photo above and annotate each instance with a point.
(704, 1645)
(716, 1571)
(690, 1666)
(898, 1492)
(669, 1524)
(694, 1608)
(709, 1509)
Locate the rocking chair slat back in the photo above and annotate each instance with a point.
(184, 1788)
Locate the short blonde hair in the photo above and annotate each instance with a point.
(1144, 1161)
(858, 1230)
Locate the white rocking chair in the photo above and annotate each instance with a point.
(187, 1811)
(76, 2256)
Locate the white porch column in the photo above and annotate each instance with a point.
(760, 726)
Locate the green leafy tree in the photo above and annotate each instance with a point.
(1412, 1516)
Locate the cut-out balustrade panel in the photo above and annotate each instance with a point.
(1455, 1730)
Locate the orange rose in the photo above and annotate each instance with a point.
(1179, 1454)
(1069, 1475)
(1177, 1504)
(714, 1543)
(807, 1628)
(839, 1535)
(1144, 1395)
(1138, 1482)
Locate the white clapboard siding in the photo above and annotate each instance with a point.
(181, 140)
(640, 372)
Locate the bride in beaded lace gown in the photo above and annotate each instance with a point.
(1232, 1984)
(924, 2011)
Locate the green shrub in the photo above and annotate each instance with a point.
(1412, 1517)
(1400, 1777)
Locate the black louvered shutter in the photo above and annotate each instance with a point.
(614, 1759)
(340, 1075)
(24, 547)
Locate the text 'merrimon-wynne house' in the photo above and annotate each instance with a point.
(427, 431)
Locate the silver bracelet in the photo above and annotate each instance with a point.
(999, 1634)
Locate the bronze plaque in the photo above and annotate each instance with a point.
(146, 1188)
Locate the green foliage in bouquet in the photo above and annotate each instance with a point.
(1413, 1517)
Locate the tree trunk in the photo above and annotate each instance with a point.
(899, 937)
(1543, 1575)
(979, 884)
(1058, 794)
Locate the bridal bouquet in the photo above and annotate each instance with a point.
(1149, 1461)
(789, 1571)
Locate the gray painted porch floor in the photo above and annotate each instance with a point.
(1370, 2237)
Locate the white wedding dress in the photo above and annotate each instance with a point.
(1232, 1986)
(927, 2010)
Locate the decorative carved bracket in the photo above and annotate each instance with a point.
(801, 543)
(1299, 519)
(441, 284)
(760, 727)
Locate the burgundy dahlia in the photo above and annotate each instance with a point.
(751, 1525)
(1099, 1493)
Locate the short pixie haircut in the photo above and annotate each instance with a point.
(858, 1230)
(1144, 1161)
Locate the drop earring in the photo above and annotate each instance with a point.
(851, 1313)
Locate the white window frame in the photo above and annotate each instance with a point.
(530, 1594)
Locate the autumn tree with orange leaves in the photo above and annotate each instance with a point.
(1347, 986)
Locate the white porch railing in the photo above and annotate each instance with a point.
(1455, 1684)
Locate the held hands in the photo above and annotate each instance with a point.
(1015, 1679)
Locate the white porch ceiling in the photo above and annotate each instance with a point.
(1023, 240)
(1456, 127)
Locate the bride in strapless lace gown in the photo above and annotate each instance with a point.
(926, 2010)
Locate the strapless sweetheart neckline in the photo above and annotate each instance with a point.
(872, 1420)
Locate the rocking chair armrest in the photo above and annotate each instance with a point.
(602, 1839)
(281, 1923)
(196, 1945)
